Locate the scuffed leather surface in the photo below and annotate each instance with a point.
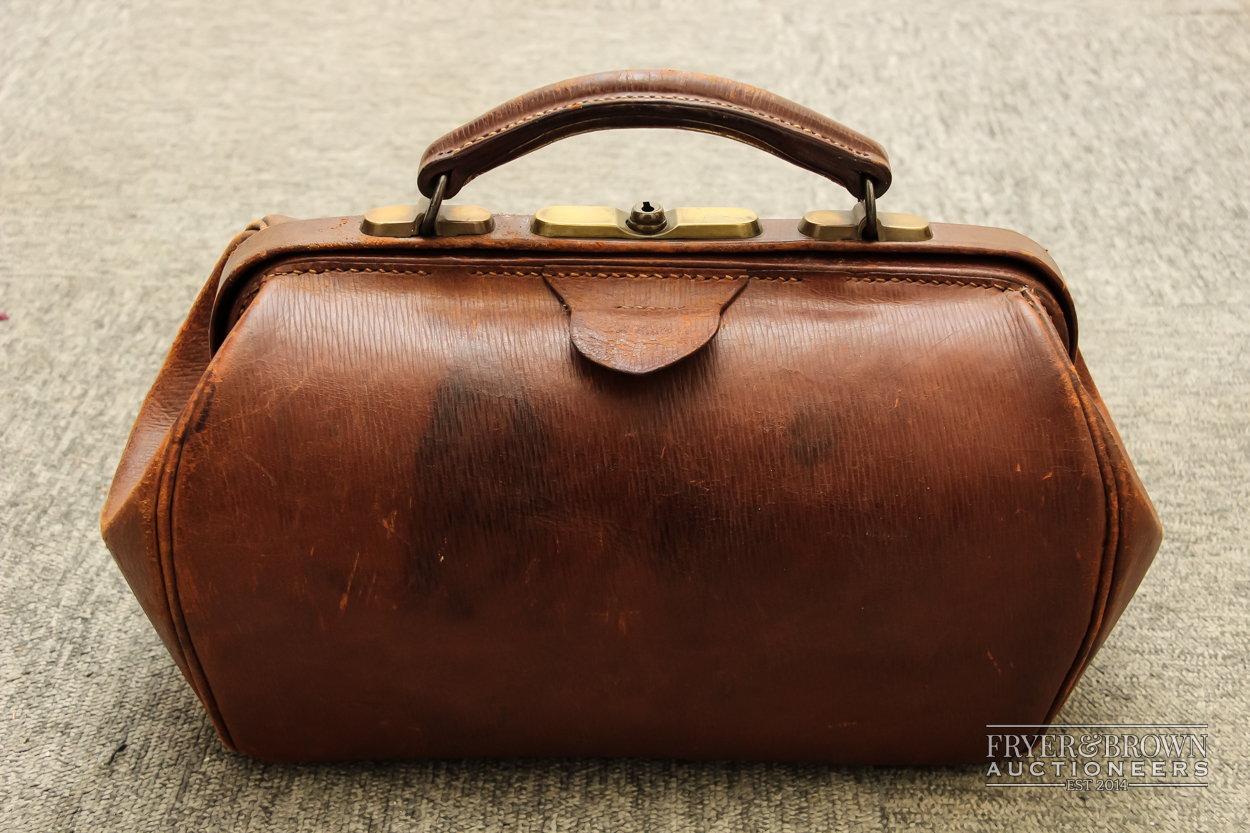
(637, 321)
(878, 510)
(642, 98)
(866, 520)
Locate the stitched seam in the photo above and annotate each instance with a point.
(969, 284)
(417, 272)
(671, 97)
(673, 276)
(255, 285)
(691, 277)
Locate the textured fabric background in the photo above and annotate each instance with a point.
(136, 139)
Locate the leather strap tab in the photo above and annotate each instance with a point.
(637, 323)
(641, 98)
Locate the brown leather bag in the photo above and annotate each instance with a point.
(679, 485)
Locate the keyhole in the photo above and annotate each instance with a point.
(646, 206)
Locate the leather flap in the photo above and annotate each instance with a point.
(640, 322)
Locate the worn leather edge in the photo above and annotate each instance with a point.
(1141, 531)
(165, 538)
(130, 520)
(1133, 529)
(650, 98)
(339, 236)
(1098, 445)
(1110, 515)
(1111, 501)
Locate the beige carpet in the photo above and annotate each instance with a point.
(136, 138)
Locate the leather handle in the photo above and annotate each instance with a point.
(647, 98)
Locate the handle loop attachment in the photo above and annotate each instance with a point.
(429, 219)
(869, 231)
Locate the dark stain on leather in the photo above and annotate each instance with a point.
(699, 535)
(485, 488)
(811, 436)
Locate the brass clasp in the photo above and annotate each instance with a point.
(853, 225)
(405, 220)
(654, 224)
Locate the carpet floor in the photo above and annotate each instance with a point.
(136, 138)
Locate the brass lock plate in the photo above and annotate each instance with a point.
(601, 221)
(404, 220)
(849, 225)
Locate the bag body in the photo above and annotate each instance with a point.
(509, 494)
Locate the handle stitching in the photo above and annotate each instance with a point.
(626, 97)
